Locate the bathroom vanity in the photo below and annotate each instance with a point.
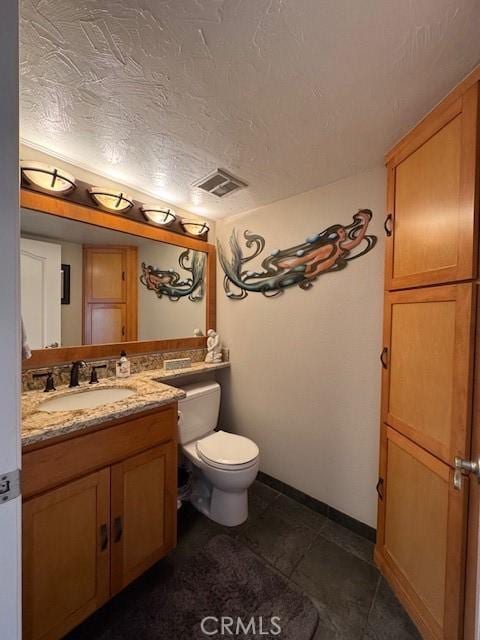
(99, 509)
(99, 493)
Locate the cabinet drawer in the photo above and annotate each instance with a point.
(58, 463)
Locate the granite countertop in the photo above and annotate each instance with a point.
(38, 426)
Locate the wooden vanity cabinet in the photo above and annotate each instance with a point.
(88, 532)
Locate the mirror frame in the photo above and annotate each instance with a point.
(43, 203)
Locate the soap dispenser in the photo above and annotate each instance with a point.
(123, 366)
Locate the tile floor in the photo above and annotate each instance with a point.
(328, 562)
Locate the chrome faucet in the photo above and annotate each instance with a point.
(74, 372)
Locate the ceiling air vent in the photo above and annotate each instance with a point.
(220, 183)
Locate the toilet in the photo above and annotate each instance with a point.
(224, 465)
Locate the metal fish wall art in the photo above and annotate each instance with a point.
(324, 252)
(167, 282)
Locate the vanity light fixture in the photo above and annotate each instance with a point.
(111, 200)
(195, 228)
(157, 215)
(47, 177)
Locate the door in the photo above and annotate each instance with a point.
(428, 365)
(431, 200)
(107, 323)
(66, 556)
(110, 294)
(10, 529)
(40, 268)
(421, 535)
(144, 507)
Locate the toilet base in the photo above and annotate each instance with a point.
(227, 509)
(221, 495)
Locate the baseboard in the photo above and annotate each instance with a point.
(360, 528)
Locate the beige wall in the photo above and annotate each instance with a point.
(305, 376)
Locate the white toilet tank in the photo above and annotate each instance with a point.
(198, 411)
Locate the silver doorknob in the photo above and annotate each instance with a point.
(464, 467)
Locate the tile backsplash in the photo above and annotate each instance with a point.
(141, 362)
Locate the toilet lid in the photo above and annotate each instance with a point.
(227, 448)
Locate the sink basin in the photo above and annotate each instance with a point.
(87, 399)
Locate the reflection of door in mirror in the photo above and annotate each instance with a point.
(41, 292)
(103, 305)
(110, 294)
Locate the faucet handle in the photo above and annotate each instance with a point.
(93, 374)
(49, 382)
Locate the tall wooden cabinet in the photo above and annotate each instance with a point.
(430, 320)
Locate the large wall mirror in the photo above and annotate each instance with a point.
(83, 284)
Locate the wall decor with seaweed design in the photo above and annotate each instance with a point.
(167, 282)
(324, 252)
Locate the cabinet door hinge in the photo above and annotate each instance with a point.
(10, 485)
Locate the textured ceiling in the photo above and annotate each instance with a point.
(287, 94)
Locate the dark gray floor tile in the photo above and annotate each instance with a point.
(351, 542)
(262, 492)
(387, 619)
(343, 585)
(259, 498)
(278, 540)
(194, 531)
(330, 627)
(296, 513)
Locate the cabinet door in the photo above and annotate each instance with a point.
(105, 323)
(144, 511)
(420, 538)
(66, 556)
(427, 379)
(431, 197)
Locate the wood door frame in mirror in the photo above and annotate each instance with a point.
(43, 203)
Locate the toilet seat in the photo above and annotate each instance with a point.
(224, 450)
